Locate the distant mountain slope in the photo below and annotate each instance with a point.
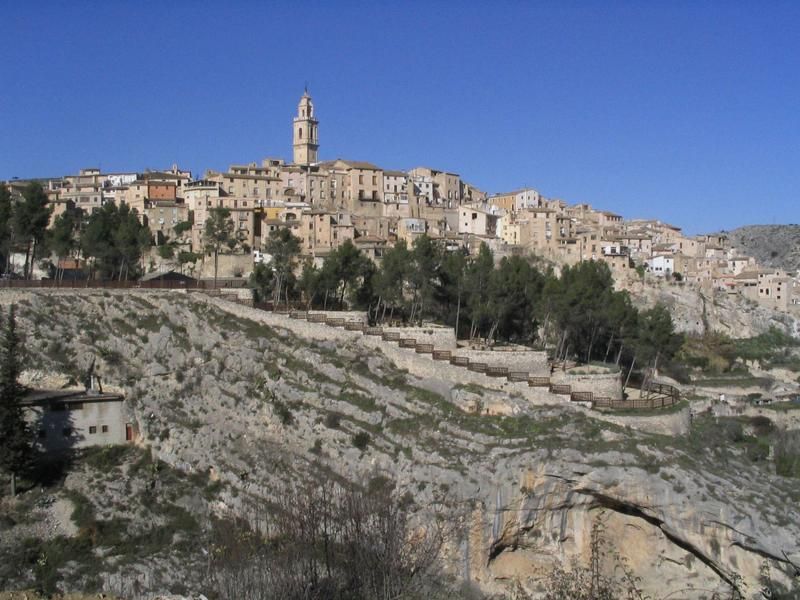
(771, 245)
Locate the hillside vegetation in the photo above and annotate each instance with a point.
(235, 413)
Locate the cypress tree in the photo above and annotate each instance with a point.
(15, 440)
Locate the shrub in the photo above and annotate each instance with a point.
(762, 426)
(361, 440)
(333, 420)
(284, 413)
(787, 454)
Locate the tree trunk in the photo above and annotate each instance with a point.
(216, 254)
(25, 266)
(608, 348)
(13, 484)
(591, 344)
(458, 312)
(627, 379)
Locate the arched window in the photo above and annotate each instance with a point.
(300, 132)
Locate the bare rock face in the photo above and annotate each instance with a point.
(253, 403)
(680, 542)
(776, 246)
(698, 311)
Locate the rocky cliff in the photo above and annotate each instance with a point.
(217, 391)
(696, 310)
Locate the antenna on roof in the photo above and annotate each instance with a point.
(305, 87)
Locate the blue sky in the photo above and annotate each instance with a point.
(685, 111)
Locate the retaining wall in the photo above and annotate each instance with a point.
(442, 338)
(358, 316)
(532, 361)
(602, 385)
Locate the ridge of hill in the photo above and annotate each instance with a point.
(775, 246)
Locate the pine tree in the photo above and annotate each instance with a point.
(15, 440)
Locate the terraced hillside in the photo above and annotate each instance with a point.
(231, 404)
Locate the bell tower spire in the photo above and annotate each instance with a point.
(306, 142)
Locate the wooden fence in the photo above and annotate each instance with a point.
(517, 376)
(560, 389)
(497, 371)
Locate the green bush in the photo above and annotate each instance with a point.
(361, 440)
(787, 454)
(283, 412)
(333, 420)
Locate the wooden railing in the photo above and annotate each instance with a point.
(560, 389)
(538, 382)
(424, 349)
(354, 326)
(408, 342)
(442, 355)
(581, 396)
(335, 321)
(296, 314)
(517, 376)
(317, 318)
(496, 371)
(477, 367)
(373, 331)
(459, 361)
(391, 336)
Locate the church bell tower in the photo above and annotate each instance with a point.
(306, 142)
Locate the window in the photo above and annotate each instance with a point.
(42, 434)
(105, 428)
(374, 180)
(67, 431)
(92, 429)
(300, 132)
(361, 179)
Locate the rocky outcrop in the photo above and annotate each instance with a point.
(697, 311)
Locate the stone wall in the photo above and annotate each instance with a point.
(359, 316)
(241, 294)
(442, 338)
(674, 423)
(530, 361)
(602, 385)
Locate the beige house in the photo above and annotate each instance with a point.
(517, 200)
(162, 217)
(321, 231)
(478, 220)
(251, 181)
(409, 229)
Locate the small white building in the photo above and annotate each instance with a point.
(661, 265)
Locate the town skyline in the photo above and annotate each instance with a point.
(608, 110)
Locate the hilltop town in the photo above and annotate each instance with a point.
(327, 203)
(541, 398)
